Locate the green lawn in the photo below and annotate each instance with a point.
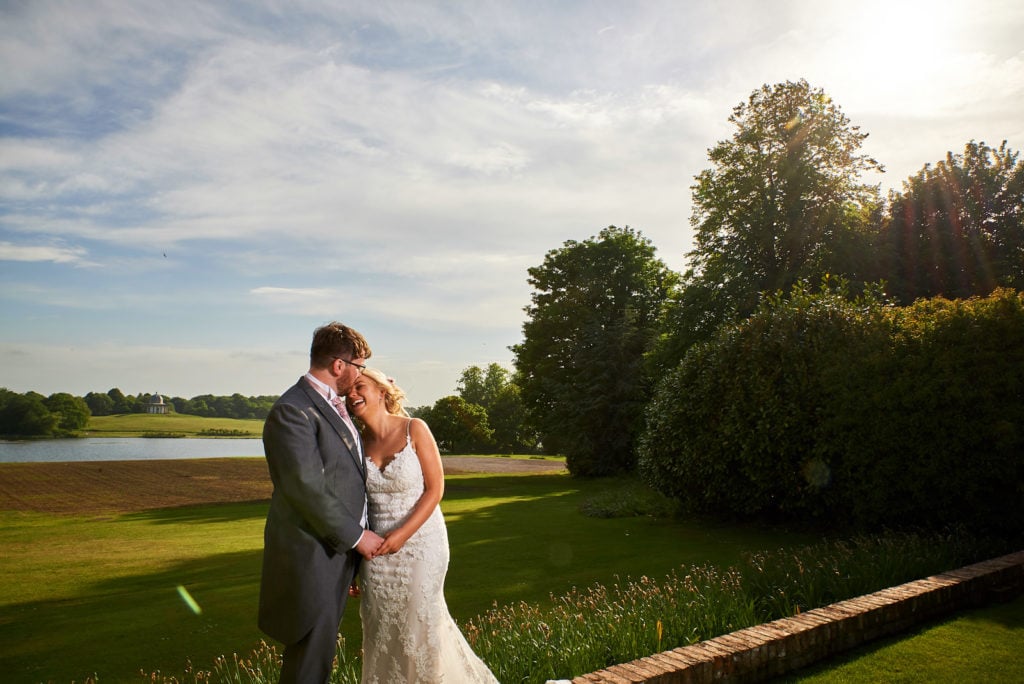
(983, 645)
(85, 595)
(170, 425)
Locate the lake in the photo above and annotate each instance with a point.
(125, 449)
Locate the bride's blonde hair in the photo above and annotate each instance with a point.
(392, 393)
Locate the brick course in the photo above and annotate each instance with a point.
(761, 652)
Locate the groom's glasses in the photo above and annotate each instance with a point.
(359, 366)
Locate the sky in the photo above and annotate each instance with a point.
(188, 189)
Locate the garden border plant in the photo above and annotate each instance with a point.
(588, 629)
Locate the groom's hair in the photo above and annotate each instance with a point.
(334, 340)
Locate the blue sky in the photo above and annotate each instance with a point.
(187, 189)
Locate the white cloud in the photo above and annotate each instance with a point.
(51, 253)
(297, 299)
(405, 163)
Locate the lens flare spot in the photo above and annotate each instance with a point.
(816, 473)
(189, 601)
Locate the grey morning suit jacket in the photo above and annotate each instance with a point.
(315, 512)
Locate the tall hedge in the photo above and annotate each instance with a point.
(941, 439)
(852, 413)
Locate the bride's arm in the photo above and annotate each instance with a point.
(433, 488)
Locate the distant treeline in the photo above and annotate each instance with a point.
(208, 405)
(34, 415)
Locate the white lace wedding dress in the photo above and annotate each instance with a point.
(408, 633)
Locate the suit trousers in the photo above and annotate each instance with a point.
(310, 660)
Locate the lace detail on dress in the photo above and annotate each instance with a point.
(408, 633)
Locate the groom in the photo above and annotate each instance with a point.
(316, 527)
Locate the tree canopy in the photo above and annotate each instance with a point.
(595, 310)
(72, 412)
(494, 390)
(459, 427)
(957, 228)
(782, 201)
(33, 415)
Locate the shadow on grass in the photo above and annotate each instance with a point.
(210, 513)
(513, 538)
(118, 626)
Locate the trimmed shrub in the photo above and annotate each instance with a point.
(933, 434)
(852, 412)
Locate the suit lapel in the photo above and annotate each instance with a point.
(328, 412)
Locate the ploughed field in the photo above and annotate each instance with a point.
(110, 487)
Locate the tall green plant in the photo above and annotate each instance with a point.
(588, 629)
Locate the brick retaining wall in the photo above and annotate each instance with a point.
(758, 653)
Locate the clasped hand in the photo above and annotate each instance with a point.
(373, 545)
(393, 541)
(368, 544)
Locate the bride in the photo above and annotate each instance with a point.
(408, 633)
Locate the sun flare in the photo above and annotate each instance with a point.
(898, 53)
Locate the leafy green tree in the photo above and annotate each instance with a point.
(957, 228)
(72, 412)
(199, 407)
(737, 428)
(140, 402)
(421, 412)
(25, 415)
(494, 390)
(783, 201)
(99, 404)
(507, 415)
(240, 407)
(595, 311)
(482, 385)
(122, 403)
(459, 427)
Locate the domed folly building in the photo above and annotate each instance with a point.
(157, 405)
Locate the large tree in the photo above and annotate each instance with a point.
(25, 415)
(122, 403)
(594, 313)
(458, 426)
(957, 228)
(493, 389)
(782, 202)
(72, 412)
(482, 386)
(99, 404)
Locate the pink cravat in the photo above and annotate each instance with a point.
(339, 405)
